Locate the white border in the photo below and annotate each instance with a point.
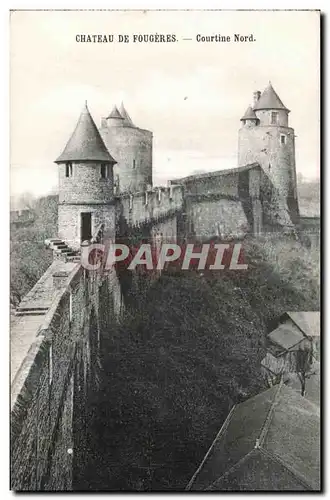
(4, 168)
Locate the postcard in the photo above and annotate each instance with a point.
(165, 250)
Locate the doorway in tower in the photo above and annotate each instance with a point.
(85, 226)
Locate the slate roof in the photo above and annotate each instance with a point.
(127, 119)
(273, 363)
(286, 336)
(270, 100)
(216, 173)
(85, 144)
(307, 321)
(115, 114)
(275, 349)
(249, 114)
(269, 442)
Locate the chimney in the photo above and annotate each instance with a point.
(255, 98)
(104, 123)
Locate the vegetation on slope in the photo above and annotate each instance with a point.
(174, 368)
(309, 197)
(29, 258)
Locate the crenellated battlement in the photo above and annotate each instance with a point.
(151, 205)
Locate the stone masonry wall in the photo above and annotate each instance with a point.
(86, 184)
(212, 183)
(131, 147)
(69, 221)
(149, 206)
(262, 144)
(165, 231)
(224, 203)
(223, 218)
(232, 203)
(50, 388)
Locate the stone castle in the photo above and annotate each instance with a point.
(106, 174)
(106, 192)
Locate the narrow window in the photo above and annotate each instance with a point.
(283, 139)
(68, 169)
(134, 163)
(274, 118)
(104, 171)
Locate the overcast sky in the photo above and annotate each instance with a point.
(190, 94)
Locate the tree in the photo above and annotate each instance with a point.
(304, 359)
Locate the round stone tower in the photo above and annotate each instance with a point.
(266, 138)
(132, 148)
(86, 197)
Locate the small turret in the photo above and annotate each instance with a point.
(270, 109)
(127, 119)
(132, 148)
(249, 118)
(270, 100)
(85, 143)
(115, 119)
(86, 197)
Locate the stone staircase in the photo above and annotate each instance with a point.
(61, 249)
(30, 311)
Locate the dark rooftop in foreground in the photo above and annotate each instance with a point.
(270, 442)
(307, 321)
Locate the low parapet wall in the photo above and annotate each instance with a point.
(56, 341)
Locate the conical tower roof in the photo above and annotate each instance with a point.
(115, 114)
(269, 100)
(125, 115)
(85, 144)
(249, 114)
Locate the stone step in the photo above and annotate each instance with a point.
(22, 307)
(63, 250)
(60, 245)
(74, 258)
(30, 313)
(53, 240)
